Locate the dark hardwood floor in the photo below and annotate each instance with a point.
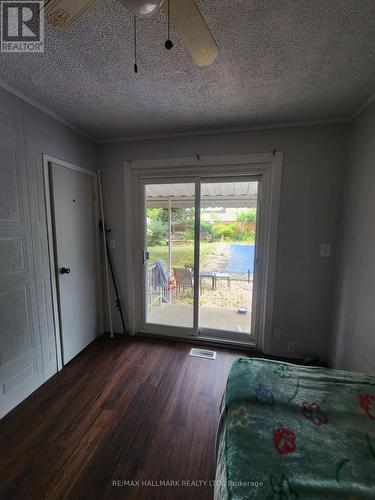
(122, 410)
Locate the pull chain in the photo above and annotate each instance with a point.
(168, 43)
(169, 23)
(135, 45)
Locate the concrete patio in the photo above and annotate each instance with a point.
(181, 315)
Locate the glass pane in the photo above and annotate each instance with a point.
(170, 218)
(228, 225)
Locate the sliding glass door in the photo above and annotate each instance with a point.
(170, 255)
(227, 255)
(170, 221)
(199, 256)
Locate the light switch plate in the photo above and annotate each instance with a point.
(112, 244)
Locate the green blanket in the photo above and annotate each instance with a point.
(289, 432)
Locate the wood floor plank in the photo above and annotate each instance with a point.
(126, 410)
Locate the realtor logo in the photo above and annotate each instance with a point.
(22, 27)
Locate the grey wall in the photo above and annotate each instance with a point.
(353, 340)
(313, 164)
(27, 341)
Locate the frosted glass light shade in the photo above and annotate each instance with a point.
(141, 8)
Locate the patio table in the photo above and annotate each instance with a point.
(222, 276)
(211, 275)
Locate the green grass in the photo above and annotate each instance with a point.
(182, 255)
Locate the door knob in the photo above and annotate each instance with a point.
(65, 270)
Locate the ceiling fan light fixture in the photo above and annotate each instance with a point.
(142, 8)
(185, 16)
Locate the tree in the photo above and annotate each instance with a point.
(156, 232)
(180, 216)
(154, 213)
(183, 217)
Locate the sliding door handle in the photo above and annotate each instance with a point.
(145, 256)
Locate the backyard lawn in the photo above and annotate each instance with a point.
(182, 255)
(214, 255)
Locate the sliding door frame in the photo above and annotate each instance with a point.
(267, 167)
(144, 325)
(231, 335)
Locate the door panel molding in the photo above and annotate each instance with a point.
(21, 363)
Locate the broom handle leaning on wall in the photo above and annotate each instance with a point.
(105, 253)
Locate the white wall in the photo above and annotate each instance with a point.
(353, 340)
(314, 159)
(27, 333)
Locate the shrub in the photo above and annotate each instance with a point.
(188, 235)
(187, 264)
(245, 236)
(249, 215)
(225, 231)
(207, 231)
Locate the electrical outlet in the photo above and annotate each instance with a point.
(291, 347)
(325, 249)
(277, 334)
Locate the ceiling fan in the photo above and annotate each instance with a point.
(183, 14)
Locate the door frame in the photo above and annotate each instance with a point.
(47, 161)
(266, 165)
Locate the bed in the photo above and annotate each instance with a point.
(289, 432)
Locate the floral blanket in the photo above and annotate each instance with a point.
(289, 432)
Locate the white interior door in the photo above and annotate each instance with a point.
(73, 205)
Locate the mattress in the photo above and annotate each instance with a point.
(289, 432)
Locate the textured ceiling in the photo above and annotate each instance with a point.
(280, 61)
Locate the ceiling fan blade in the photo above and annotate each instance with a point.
(63, 13)
(193, 31)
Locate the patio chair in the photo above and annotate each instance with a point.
(184, 278)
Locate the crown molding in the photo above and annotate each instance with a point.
(276, 125)
(307, 123)
(44, 109)
(363, 106)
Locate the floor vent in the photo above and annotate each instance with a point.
(203, 353)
